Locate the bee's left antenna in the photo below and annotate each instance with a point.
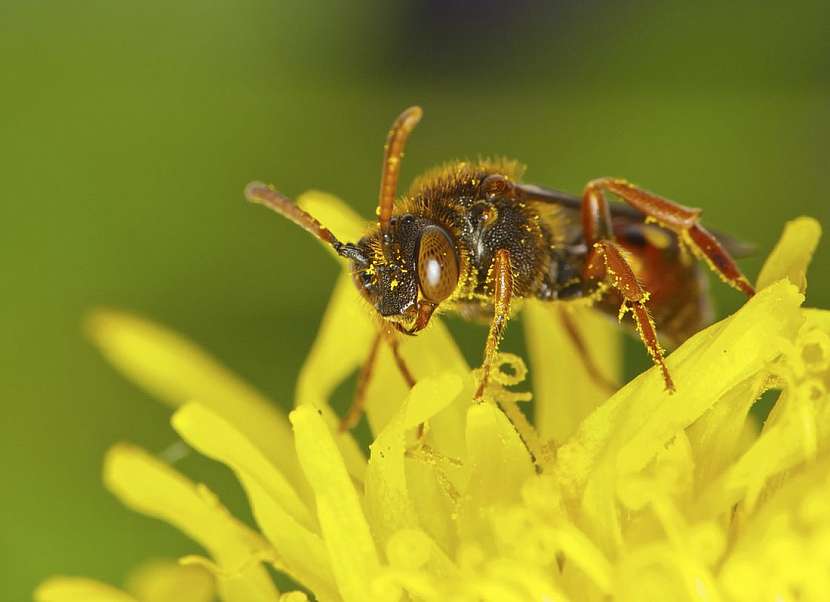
(262, 194)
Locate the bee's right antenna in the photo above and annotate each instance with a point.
(262, 194)
(393, 151)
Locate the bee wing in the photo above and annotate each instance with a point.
(626, 217)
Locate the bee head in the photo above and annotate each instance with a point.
(407, 272)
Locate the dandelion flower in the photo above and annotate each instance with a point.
(641, 496)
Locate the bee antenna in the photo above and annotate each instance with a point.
(352, 252)
(393, 152)
(263, 194)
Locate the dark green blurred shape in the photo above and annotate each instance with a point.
(129, 130)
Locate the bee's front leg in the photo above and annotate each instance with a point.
(502, 277)
(355, 411)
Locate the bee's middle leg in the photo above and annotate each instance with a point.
(581, 346)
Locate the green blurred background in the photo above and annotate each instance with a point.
(129, 130)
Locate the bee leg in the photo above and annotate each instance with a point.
(352, 417)
(606, 261)
(394, 345)
(355, 411)
(684, 221)
(582, 349)
(502, 293)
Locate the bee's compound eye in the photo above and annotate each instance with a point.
(437, 264)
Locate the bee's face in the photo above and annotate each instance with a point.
(406, 278)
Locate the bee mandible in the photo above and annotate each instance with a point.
(472, 238)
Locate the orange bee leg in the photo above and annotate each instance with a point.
(394, 345)
(582, 349)
(684, 221)
(606, 261)
(355, 411)
(352, 417)
(502, 293)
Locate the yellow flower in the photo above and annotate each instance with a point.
(643, 496)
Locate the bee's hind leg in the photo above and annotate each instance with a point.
(606, 263)
(572, 329)
(683, 221)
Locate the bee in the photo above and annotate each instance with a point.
(473, 238)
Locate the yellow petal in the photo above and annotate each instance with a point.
(528, 579)
(341, 346)
(791, 256)
(727, 354)
(430, 353)
(553, 533)
(388, 500)
(795, 431)
(177, 371)
(352, 552)
(656, 497)
(499, 459)
(626, 432)
(668, 478)
(434, 494)
(283, 517)
(788, 439)
(717, 436)
(155, 489)
(783, 551)
(660, 572)
(499, 463)
(413, 549)
(581, 551)
(417, 565)
(563, 390)
(642, 416)
(387, 388)
(79, 589)
(169, 581)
